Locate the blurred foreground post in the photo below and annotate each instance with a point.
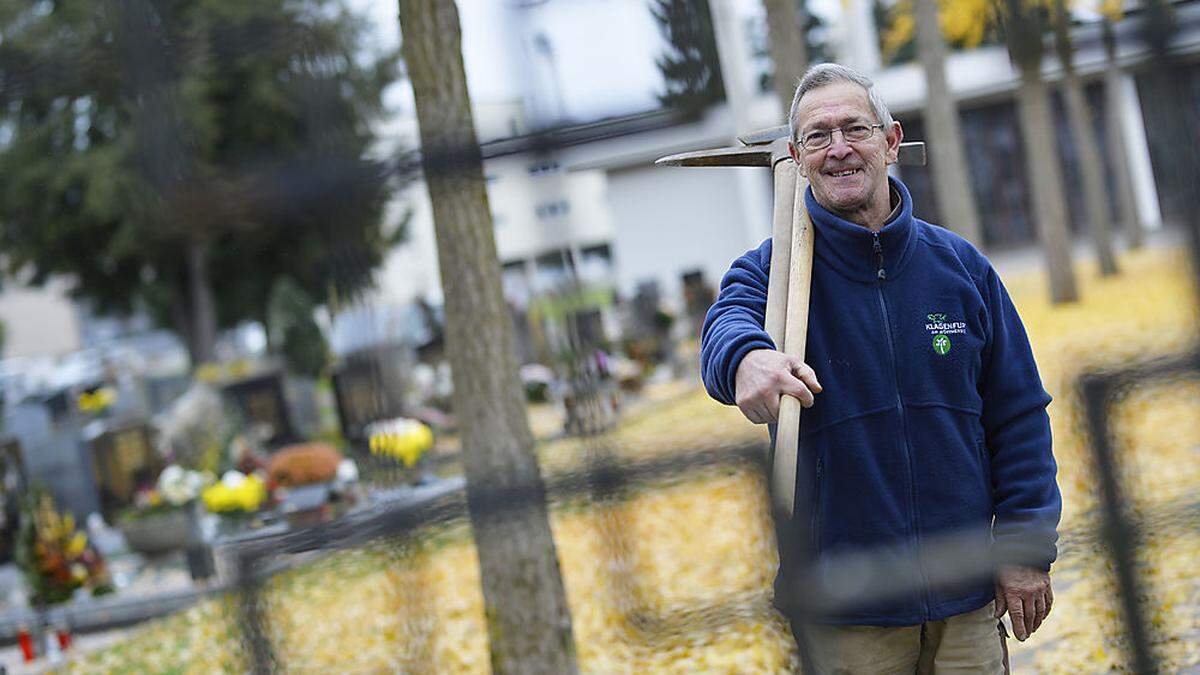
(529, 625)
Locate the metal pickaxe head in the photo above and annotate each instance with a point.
(765, 147)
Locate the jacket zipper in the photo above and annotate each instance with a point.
(880, 277)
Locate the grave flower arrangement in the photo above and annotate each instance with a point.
(175, 488)
(304, 482)
(165, 517)
(235, 493)
(304, 464)
(402, 439)
(54, 556)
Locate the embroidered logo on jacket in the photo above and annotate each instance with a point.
(941, 344)
(941, 329)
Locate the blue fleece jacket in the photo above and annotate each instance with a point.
(932, 420)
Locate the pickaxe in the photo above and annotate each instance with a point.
(787, 296)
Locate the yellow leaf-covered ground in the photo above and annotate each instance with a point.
(675, 578)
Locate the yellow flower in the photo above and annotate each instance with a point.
(251, 494)
(77, 544)
(208, 372)
(241, 493)
(404, 440)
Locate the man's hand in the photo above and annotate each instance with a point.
(1025, 592)
(763, 376)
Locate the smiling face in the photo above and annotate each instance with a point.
(848, 178)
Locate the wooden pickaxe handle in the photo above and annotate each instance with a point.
(799, 279)
(781, 250)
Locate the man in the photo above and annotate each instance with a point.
(925, 427)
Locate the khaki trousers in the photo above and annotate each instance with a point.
(971, 642)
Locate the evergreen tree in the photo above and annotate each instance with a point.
(690, 66)
(178, 156)
(292, 325)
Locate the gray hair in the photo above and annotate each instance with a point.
(824, 74)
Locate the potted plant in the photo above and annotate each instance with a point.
(164, 518)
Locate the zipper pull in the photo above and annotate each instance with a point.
(881, 274)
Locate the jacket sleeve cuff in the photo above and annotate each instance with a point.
(1013, 551)
(739, 352)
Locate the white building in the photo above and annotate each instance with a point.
(603, 207)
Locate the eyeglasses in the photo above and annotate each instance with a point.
(820, 138)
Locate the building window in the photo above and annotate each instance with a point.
(595, 264)
(515, 283)
(543, 168)
(553, 209)
(553, 271)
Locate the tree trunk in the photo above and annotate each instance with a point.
(201, 303)
(181, 318)
(786, 22)
(1126, 204)
(1095, 196)
(951, 175)
(529, 624)
(265, 319)
(1079, 117)
(1046, 183)
(1023, 31)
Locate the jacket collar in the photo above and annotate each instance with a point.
(850, 248)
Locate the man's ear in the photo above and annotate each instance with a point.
(894, 136)
(795, 153)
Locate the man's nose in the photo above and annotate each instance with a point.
(838, 147)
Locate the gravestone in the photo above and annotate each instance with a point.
(648, 326)
(123, 459)
(303, 405)
(647, 310)
(589, 330)
(698, 296)
(54, 455)
(369, 386)
(260, 399)
(162, 391)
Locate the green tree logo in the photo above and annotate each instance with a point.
(941, 344)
